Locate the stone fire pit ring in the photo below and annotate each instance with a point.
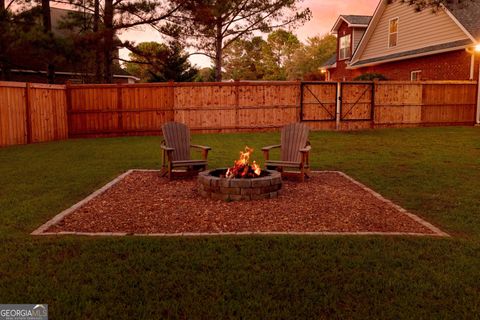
(210, 185)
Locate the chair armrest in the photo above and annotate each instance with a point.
(196, 146)
(306, 149)
(271, 147)
(204, 150)
(164, 147)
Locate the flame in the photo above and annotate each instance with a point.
(242, 168)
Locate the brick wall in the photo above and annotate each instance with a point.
(340, 73)
(454, 65)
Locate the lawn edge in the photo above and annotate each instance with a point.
(41, 231)
(414, 217)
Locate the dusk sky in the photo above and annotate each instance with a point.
(325, 12)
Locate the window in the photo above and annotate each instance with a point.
(416, 75)
(345, 45)
(393, 33)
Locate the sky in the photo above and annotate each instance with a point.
(324, 15)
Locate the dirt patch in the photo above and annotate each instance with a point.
(144, 203)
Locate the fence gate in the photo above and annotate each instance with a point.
(318, 101)
(356, 101)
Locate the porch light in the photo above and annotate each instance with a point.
(477, 48)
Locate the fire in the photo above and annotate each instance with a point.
(242, 168)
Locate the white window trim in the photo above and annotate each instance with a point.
(340, 47)
(389, 33)
(415, 72)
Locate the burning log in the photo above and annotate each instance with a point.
(242, 169)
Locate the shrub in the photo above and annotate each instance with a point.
(370, 77)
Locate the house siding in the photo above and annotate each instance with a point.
(416, 30)
(357, 36)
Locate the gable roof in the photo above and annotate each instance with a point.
(351, 21)
(330, 63)
(466, 16)
(360, 20)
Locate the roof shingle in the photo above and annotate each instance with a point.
(360, 20)
(468, 14)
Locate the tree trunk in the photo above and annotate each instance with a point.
(218, 52)
(4, 29)
(47, 29)
(108, 42)
(98, 46)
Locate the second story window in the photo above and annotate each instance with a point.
(344, 49)
(393, 33)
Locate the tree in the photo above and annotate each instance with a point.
(211, 26)
(307, 60)
(205, 75)
(279, 49)
(434, 4)
(157, 62)
(243, 59)
(26, 38)
(115, 16)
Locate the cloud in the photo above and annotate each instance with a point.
(326, 12)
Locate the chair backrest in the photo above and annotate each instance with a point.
(177, 136)
(294, 138)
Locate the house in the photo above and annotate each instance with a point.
(28, 68)
(402, 43)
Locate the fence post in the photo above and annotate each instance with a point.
(237, 103)
(300, 113)
(171, 85)
(119, 108)
(477, 122)
(28, 111)
(68, 99)
(338, 109)
(374, 89)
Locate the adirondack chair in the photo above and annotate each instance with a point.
(295, 151)
(176, 151)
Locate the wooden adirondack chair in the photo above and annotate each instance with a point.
(295, 151)
(176, 151)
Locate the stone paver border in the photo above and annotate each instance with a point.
(41, 231)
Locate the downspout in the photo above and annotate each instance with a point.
(478, 94)
(472, 67)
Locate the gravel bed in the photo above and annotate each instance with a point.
(144, 203)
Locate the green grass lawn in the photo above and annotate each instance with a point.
(433, 172)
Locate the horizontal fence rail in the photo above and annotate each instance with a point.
(32, 113)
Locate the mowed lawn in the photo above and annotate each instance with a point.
(433, 172)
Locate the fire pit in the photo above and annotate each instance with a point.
(244, 181)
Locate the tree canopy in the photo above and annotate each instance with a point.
(158, 62)
(211, 26)
(280, 57)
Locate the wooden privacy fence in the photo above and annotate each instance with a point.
(35, 113)
(204, 107)
(32, 113)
